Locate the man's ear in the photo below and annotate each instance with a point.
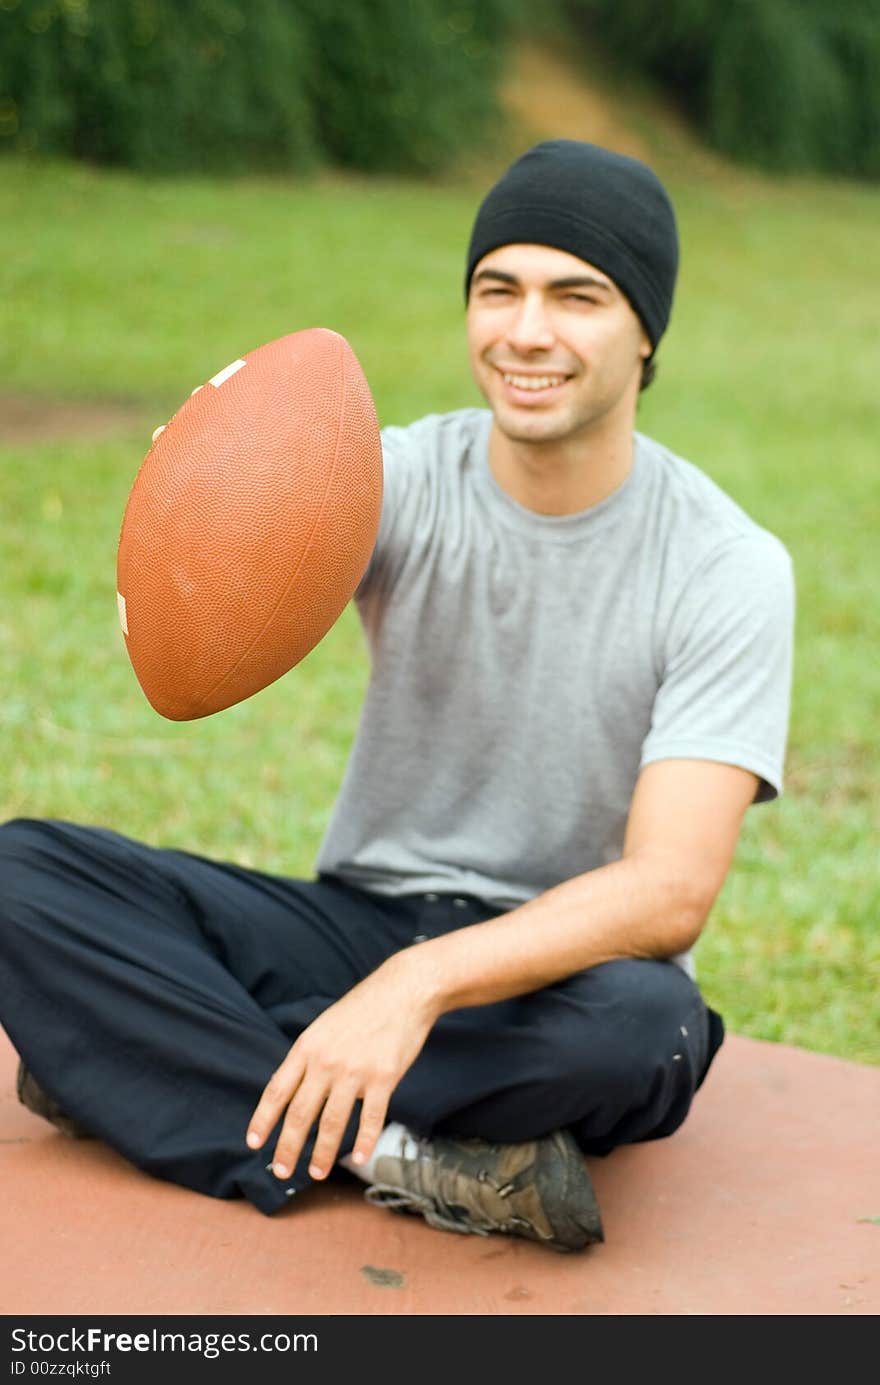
(645, 347)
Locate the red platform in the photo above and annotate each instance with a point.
(766, 1202)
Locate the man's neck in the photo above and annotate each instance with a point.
(564, 477)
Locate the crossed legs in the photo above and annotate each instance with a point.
(152, 992)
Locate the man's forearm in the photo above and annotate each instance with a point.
(641, 906)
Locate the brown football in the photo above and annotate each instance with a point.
(249, 524)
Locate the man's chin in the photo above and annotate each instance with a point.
(521, 427)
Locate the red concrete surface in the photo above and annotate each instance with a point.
(761, 1204)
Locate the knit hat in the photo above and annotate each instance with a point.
(606, 208)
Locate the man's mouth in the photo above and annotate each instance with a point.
(533, 382)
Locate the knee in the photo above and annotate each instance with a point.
(26, 863)
(643, 995)
(621, 1020)
(23, 845)
(18, 834)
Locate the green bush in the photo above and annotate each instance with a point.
(792, 85)
(229, 84)
(404, 84)
(776, 94)
(154, 85)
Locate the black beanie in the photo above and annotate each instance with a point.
(606, 208)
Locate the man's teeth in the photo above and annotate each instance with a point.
(533, 382)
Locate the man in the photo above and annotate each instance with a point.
(581, 656)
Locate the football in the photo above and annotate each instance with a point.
(249, 524)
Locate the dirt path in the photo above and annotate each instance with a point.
(548, 93)
(25, 419)
(549, 99)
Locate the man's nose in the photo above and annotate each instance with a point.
(530, 328)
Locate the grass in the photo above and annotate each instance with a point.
(116, 288)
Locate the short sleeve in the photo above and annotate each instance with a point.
(397, 473)
(725, 688)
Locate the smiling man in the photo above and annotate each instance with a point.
(558, 354)
(581, 663)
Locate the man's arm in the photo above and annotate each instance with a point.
(681, 835)
(680, 839)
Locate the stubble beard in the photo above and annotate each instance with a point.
(549, 428)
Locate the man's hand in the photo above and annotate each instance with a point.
(359, 1048)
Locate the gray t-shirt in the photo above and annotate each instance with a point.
(525, 667)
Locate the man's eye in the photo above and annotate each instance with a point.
(496, 292)
(580, 298)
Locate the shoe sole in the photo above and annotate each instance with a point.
(39, 1103)
(572, 1206)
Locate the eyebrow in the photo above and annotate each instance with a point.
(574, 281)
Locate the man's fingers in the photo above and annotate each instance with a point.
(276, 1094)
(374, 1113)
(332, 1128)
(163, 426)
(301, 1116)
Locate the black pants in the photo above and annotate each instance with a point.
(153, 992)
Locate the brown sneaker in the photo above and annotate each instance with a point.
(539, 1189)
(31, 1095)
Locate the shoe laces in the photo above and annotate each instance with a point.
(443, 1209)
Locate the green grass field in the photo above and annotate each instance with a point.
(115, 289)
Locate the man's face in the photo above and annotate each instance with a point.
(555, 346)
